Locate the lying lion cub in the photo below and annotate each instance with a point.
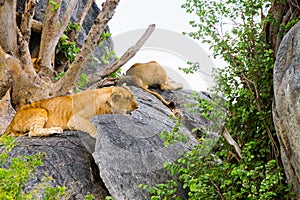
(148, 74)
(49, 116)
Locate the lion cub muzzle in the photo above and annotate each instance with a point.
(122, 101)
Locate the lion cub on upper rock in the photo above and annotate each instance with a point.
(49, 116)
(143, 75)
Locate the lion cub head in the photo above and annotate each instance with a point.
(122, 101)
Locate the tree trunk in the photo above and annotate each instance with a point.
(280, 13)
(283, 15)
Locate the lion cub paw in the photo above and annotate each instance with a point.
(45, 131)
(53, 130)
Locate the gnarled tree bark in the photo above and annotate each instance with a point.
(17, 71)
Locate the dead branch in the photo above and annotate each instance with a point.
(24, 54)
(106, 82)
(84, 12)
(231, 141)
(37, 26)
(93, 78)
(67, 82)
(66, 18)
(26, 22)
(50, 28)
(8, 32)
(24, 34)
(52, 31)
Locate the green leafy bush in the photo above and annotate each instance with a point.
(18, 173)
(68, 48)
(241, 105)
(176, 135)
(15, 172)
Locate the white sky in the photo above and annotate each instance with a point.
(133, 14)
(167, 15)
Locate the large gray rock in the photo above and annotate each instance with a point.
(66, 161)
(186, 103)
(130, 152)
(286, 107)
(127, 152)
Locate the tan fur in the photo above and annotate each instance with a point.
(49, 116)
(148, 74)
(36, 64)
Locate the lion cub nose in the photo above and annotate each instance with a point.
(136, 106)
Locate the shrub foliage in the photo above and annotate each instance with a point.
(243, 100)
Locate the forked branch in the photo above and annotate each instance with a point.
(67, 83)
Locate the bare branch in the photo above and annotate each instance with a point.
(84, 12)
(8, 32)
(93, 78)
(52, 31)
(50, 28)
(24, 34)
(106, 82)
(67, 82)
(66, 18)
(37, 26)
(231, 141)
(24, 54)
(26, 22)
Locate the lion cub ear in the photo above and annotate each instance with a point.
(116, 97)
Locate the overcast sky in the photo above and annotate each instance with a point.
(167, 15)
(133, 14)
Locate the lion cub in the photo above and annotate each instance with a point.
(49, 116)
(148, 74)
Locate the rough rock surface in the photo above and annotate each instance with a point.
(66, 161)
(130, 152)
(127, 152)
(185, 103)
(286, 111)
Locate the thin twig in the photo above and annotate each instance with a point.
(217, 189)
